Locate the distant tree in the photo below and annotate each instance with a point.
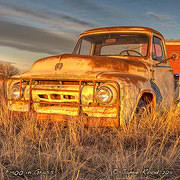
(7, 70)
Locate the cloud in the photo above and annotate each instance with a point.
(159, 17)
(85, 5)
(70, 18)
(44, 31)
(28, 47)
(163, 20)
(5, 62)
(49, 19)
(98, 12)
(33, 39)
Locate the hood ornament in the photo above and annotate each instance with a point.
(58, 66)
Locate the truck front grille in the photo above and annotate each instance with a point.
(63, 97)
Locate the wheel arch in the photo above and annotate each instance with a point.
(145, 95)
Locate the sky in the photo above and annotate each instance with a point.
(33, 29)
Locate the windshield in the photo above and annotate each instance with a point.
(113, 44)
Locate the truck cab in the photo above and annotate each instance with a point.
(139, 44)
(111, 74)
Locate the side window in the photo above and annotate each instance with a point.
(85, 47)
(157, 50)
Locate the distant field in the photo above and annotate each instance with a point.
(149, 151)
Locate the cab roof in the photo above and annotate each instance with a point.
(119, 29)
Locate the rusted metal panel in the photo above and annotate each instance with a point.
(174, 47)
(89, 66)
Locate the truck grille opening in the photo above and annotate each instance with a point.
(55, 96)
(56, 82)
(43, 96)
(69, 97)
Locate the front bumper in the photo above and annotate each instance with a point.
(65, 108)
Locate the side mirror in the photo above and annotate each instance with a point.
(174, 57)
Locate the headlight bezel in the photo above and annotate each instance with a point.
(16, 92)
(107, 90)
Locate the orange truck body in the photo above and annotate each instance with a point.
(172, 47)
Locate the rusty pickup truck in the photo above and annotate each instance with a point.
(112, 74)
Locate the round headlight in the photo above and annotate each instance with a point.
(104, 95)
(15, 92)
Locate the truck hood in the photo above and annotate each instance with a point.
(68, 65)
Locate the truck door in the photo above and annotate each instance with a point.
(162, 76)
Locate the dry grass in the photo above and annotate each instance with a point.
(149, 151)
